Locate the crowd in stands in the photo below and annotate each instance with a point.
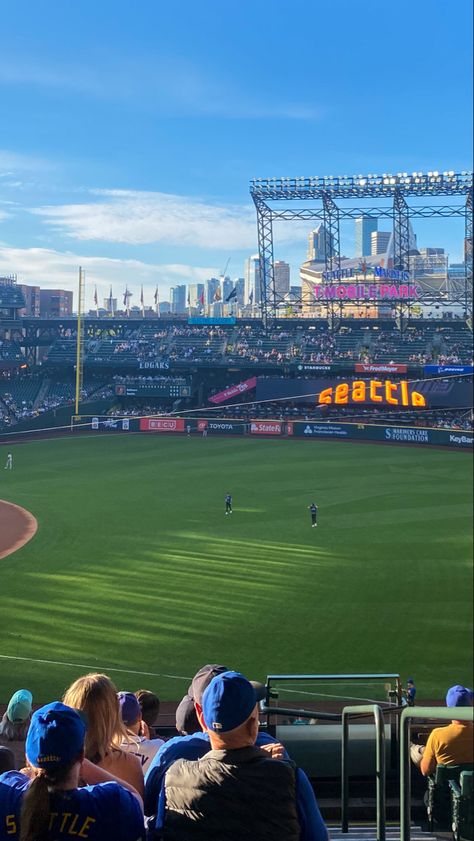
(131, 344)
(31, 397)
(91, 765)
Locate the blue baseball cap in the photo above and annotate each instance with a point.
(459, 696)
(228, 702)
(55, 736)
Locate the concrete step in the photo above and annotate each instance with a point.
(368, 832)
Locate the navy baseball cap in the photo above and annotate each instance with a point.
(55, 736)
(129, 707)
(186, 718)
(459, 696)
(202, 679)
(228, 702)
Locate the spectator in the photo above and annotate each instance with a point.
(451, 745)
(196, 743)
(149, 705)
(7, 759)
(43, 801)
(15, 722)
(409, 693)
(137, 739)
(236, 785)
(96, 696)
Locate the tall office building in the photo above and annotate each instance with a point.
(239, 284)
(211, 287)
(178, 299)
(320, 243)
(365, 226)
(55, 303)
(196, 295)
(379, 242)
(281, 275)
(227, 288)
(252, 294)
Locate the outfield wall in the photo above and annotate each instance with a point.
(388, 434)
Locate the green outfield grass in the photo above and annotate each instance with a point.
(135, 566)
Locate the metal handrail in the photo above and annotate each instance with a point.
(342, 677)
(376, 711)
(443, 713)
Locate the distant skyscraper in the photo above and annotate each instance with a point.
(379, 242)
(320, 243)
(196, 295)
(178, 299)
(227, 287)
(240, 287)
(212, 285)
(364, 227)
(252, 281)
(281, 274)
(32, 301)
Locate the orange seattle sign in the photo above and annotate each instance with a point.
(372, 391)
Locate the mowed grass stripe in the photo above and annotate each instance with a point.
(135, 565)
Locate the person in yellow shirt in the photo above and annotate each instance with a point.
(454, 744)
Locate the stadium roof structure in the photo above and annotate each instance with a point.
(326, 189)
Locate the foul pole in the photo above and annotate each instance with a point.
(80, 336)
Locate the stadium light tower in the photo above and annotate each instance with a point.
(327, 189)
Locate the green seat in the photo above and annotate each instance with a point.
(438, 796)
(462, 806)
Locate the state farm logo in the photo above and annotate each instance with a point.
(264, 428)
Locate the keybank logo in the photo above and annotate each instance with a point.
(461, 439)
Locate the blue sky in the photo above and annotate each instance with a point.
(130, 131)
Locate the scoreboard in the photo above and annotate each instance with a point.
(164, 388)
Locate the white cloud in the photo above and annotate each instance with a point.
(137, 218)
(170, 85)
(56, 269)
(13, 162)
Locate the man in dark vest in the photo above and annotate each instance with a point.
(237, 790)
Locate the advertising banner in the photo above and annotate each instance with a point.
(162, 424)
(448, 369)
(221, 427)
(233, 390)
(387, 434)
(378, 368)
(265, 427)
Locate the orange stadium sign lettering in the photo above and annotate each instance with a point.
(372, 391)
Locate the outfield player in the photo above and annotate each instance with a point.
(314, 514)
(9, 462)
(228, 504)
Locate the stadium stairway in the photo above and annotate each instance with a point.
(42, 392)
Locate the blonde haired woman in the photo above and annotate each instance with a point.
(96, 696)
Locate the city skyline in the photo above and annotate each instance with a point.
(134, 161)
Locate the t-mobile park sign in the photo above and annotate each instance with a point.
(385, 288)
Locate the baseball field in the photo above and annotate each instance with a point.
(136, 570)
